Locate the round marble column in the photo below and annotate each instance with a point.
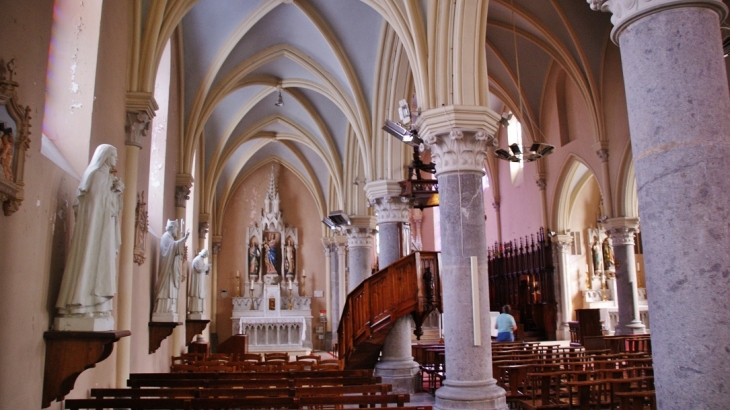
(360, 245)
(679, 117)
(396, 365)
(563, 243)
(458, 138)
(622, 231)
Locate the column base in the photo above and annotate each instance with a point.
(401, 374)
(84, 324)
(633, 328)
(164, 317)
(482, 395)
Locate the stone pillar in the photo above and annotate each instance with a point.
(396, 365)
(331, 296)
(338, 282)
(622, 231)
(360, 244)
(541, 185)
(679, 116)
(459, 138)
(183, 183)
(602, 153)
(141, 108)
(215, 251)
(498, 214)
(417, 240)
(562, 244)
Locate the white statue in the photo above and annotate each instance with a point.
(169, 274)
(90, 278)
(196, 286)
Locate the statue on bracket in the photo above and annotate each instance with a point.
(196, 286)
(254, 257)
(169, 274)
(90, 276)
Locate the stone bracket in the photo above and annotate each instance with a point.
(194, 327)
(70, 353)
(159, 331)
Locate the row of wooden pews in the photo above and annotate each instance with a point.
(268, 387)
(555, 377)
(198, 362)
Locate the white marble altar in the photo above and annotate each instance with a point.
(277, 322)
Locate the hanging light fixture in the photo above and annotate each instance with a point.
(516, 152)
(279, 101)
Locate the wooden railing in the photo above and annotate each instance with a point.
(409, 286)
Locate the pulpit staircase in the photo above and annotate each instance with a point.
(409, 286)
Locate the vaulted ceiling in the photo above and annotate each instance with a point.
(332, 60)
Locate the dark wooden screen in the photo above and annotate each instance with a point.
(522, 275)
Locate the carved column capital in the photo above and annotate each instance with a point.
(216, 244)
(203, 227)
(459, 137)
(602, 154)
(495, 205)
(359, 237)
(563, 242)
(137, 127)
(183, 183)
(392, 209)
(622, 230)
(541, 184)
(625, 12)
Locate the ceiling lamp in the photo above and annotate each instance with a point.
(537, 149)
(280, 101)
(515, 154)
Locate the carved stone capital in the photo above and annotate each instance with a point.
(203, 227)
(459, 137)
(622, 230)
(136, 127)
(602, 154)
(495, 205)
(183, 183)
(541, 184)
(626, 12)
(182, 194)
(392, 209)
(563, 242)
(359, 237)
(217, 240)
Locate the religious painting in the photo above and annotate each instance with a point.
(272, 303)
(254, 257)
(272, 254)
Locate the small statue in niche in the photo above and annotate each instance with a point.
(608, 259)
(254, 257)
(289, 257)
(196, 286)
(90, 276)
(597, 255)
(170, 273)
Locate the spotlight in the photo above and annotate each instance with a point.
(280, 101)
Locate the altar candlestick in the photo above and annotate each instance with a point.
(251, 287)
(289, 284)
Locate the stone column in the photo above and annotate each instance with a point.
(679, 117)
(183, 184)
(622, 231)
(498, 214)
(215, 251)
(541, 185)
(602, 153)
(459, 138)
(396, 365)
(562, 244)
(330, 296)
(338, 282)
(141, 108)
(360, 244)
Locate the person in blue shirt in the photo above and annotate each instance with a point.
(505, 325)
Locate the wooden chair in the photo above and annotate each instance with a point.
(249, 357)
(308, 357)
(270, 357)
